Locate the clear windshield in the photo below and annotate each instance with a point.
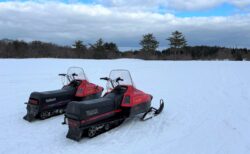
(76, 73)
(123, 74)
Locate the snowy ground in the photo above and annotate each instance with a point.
(207, 108)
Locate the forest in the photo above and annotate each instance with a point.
(178, 50)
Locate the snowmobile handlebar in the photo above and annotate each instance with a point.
(112, 81)
(105, 78)
(118, 79)
(69, 77)
(74, 74)
(108, 79)
(62, 74)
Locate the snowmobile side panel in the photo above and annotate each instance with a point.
(134, 97)
(86, 88)
(77, 130)
(99, 117)
(137, 109)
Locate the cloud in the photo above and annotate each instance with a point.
(63, 23)
(241, 3)
(180, 5)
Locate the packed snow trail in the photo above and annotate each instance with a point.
(207, 108)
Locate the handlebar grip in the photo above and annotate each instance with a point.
(104, 78)
(119, 79)
(74, 74)
(62, 74)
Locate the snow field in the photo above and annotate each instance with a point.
(207, 108)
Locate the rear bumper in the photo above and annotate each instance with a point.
(75, 134)
(32, 112)
(74, 131)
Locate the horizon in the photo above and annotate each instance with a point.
(124, 49)
(213, 23)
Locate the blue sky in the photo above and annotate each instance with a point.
(206, 22)
(220, 10)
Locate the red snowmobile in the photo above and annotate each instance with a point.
(121, 101)
(77, 88)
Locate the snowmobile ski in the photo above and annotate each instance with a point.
(152, 112)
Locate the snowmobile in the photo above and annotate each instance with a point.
(42, 105)
(121, 101)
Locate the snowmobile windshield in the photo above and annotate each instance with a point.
(123, 74)
(76, 73)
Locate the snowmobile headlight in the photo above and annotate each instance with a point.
(126, 100)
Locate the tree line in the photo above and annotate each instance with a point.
(178, 50)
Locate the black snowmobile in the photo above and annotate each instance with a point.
(77, 88)
(121, 101)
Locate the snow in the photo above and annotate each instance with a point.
(207, 108)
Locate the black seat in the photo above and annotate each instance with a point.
(67, 93)
(85, 109)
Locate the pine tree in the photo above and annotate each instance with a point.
(110, 46)
(98, 46)
(177, 40)
(79, 45)
(149, 43)
(99, 50)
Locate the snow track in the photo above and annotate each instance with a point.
(207, 108)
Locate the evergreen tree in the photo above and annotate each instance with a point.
(79, 45)
(99, 50)
(177, 40)
(149, 43)
(98, 46)
(110, 46)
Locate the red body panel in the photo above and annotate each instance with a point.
(136, 97)
(86, 88)
(101, 115)
(74, 123)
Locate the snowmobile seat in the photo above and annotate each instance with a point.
(86, 109)
(55, 95)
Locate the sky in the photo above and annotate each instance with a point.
(203, 22)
